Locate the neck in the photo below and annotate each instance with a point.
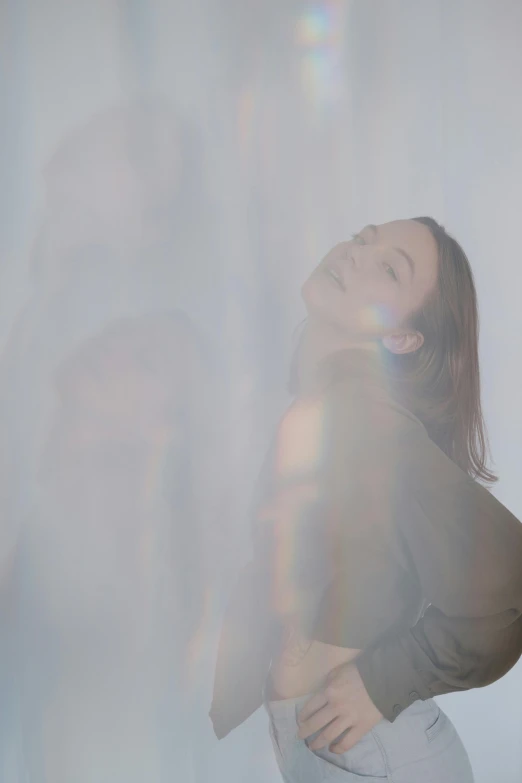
(319, 341)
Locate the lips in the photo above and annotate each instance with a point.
(335, 273)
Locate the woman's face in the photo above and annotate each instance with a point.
(370, 286)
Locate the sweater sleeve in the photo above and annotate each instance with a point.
(409, 528)
(465, 551)
(440, 654)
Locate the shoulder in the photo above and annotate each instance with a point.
(365, 426)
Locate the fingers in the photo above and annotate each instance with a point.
(319, 720)
(331, 733)
(313, 704)
(347, 741)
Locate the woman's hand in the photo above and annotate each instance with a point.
(342, 709)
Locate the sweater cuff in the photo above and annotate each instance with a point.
(390, 678)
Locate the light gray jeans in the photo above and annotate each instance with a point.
(420, 746)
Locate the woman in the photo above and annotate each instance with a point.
(383, 573)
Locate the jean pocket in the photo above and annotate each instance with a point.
(437, 725)
(362, 762)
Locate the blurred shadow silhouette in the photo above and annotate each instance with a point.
(107, 420)
(113, 565)
(116, 240)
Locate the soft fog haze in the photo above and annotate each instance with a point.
(171, 172)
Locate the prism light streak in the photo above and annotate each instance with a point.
(319, 32)
(299, 457)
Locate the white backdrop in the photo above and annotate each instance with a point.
(312, 119)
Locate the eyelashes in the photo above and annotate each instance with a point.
(389, 270)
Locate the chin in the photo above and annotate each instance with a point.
(305, 291)
(315, 297)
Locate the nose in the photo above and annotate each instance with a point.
(358, 258)
(363, 259)
(350, 254)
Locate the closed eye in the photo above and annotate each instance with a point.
(391, 272)
(358, 238)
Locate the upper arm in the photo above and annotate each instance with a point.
(392, 488)
(467, 549)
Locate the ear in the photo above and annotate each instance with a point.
(407, 342)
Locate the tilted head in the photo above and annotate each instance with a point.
(407, 286)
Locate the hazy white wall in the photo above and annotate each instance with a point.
(404, 108)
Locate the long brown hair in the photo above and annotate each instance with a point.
(441, 380)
